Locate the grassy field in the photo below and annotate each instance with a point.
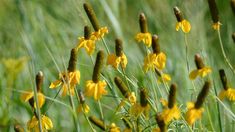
(39, 35)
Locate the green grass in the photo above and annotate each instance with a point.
(46, 31)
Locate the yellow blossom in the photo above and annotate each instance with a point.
(229, 94)
(33, 124)
(100, 33)
(153, 61)
(184, 25)
(114, 128)
(164, 78)
(216, 26)
(67, 79)
(169, 114)
(95, 89)
(88, 44)
(145, 37)
(29, 95)
(193, 113)
(136, 110)
(84, 107)
(199, 72)
(116, 60)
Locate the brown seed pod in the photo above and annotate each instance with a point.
(161, 123)
(178, 14)
(81, 97)
(214, 11)
(72, 60)
(91, 15)
(39, 81)
(233, 36)
(198, 61)
(87, 32)
(143, 97)
(223, 79)
(202, 95)
(97, 122)
(98, 66)
(143, 23)
(118, 47)
(155, 44)
(121, 86)
(172, 96)
(232, 3)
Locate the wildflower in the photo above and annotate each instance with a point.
(214, 14)
(88, 41)
(83, 107)
(33, 124)
(171, 111)
(144, 35)
(161, 124)
(99, 32)
(124, 90)
(119, 58)
(114, 128)
(201, 70)
(163, 77)
(156, 59)
(29, 95)
(97, 122)
(227, 92)
(182, 23)
(143, 106)
(195, 110)
(95, 87)
(70, 78)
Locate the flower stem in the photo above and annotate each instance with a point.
(186, 51)
(105, 45)
(101, 111)
(223, 52)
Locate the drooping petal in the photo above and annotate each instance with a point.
(113, 60)
(123, 61)
(27, 96)
(47, 123)
(193, 114)
(55, 84)
(161, 61)
(193, 74)
(146, 38)
(186, 27)
(41, 100)
(177, 26)
(64, 89)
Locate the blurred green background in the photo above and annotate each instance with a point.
(43, 33)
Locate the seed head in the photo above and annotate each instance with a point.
(118, 47)
(121, 86)
(232, 2)
(72, 60)
(214, 11)
(172, 96)
(202, 95)
(143, 23)
(97, 122)
(155, 44)
(178, 14)
(233, 36)
(161, 123)
(143, 97)
(87, 32)
(98, 66)
(199, 62)
(223, 79)
(39, 81)
(81, 97)
(91, 15)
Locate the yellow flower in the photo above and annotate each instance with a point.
(169, 114)
(164, 78)
(67, 79)
(100, 33)
(29, 95)
(193, 114)
(229, 94)
(199, 72)
(84, 107)
(116, 60)
(33, 124)
(216, 26)
(95, 89)
(184, 25)
(136, 110)
(114, 128)
(88, 44)
(145, 37)
(127, 130)
(153, 61)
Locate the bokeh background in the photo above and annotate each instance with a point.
(37, 35)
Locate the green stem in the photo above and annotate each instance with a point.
(101, 111)
(105, 45)
(223, 52)
(186, 51)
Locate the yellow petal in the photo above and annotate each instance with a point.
(222, 94)
(216, 26)
(55, 84)
(113, 60)
(26, 96)
(186, 27)
(161, 61)
(231, 94)
(47, 123)
(64, 90)
(41, 100)
(177, 26)
(123, 61)
(193, 74)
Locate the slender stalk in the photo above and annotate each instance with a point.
(101, 111)
(125, 76)
(186, 51)
(223, 52)
(105, 45)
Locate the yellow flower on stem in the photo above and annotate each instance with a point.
(84, 108)
(182, 23)
(70, 78)
(164, 78)
(95, 89)
(216, 26)
(114, 128)
(33, 124)
(227, 91)
(146, 38)
(214, 14)
(116, 60)
(29, 95)
(195, 110)
(153, 61)
(201, 70)
(100, 33)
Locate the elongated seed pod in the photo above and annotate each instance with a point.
(72, 60)
(143, 23)
(178, 14)
(172, 96)
(18, 128)
(233, 36)
(161, 123)
(39, 81)
(97, 122)
(118, 47)
(143, 97)
(81, 97)
(202, 95)
(198, 61)
(223, 79)
(98, 66)
(214, 11)
(155, 44)
(232, 3)
(31, 103)
(158, 72)
(121, 86)
(87, 32)
(91, 15)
